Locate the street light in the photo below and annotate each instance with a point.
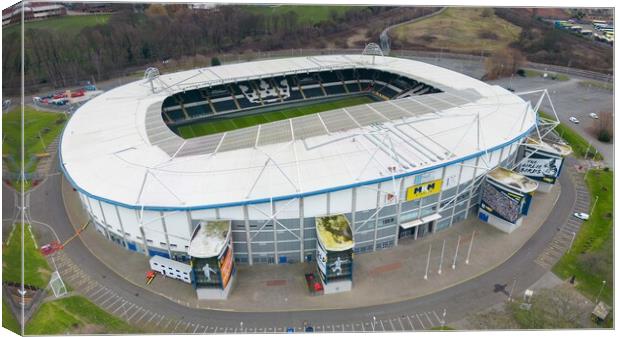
(600, 291)
(374, 322)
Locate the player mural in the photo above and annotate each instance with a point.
(334, 254)
(543, 160)
(212, 259)
(505, 198)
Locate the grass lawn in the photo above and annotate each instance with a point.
(597, 84)
(69, 25)
(222, 125)
(591, 259)
(36, 270)
(460, 29)
(305, 14)
(75, 315)
(47, 125)
(575, 140)
(553, 76)
(8, 320)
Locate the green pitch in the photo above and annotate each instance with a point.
(215, 126)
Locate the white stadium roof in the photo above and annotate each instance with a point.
(117, 148)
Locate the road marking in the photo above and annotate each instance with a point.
(206, 328)
(109, 298)
(134, 313)
(436, 316)
(161, 319)
(363, 327)
(392, 325)
(419, 320)
(169, 321)
(409, 319)
(382, 326)
(154, 315)
(144, 314)
(429, 319)
(175, 327)
(96, 292)
(126, 311)
(120, 306)
(197, 325)
(401, 324)
(101, 296)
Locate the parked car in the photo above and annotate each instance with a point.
(582, 216)
(593, 115)
(574, 120)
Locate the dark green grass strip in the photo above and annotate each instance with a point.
(222, 125)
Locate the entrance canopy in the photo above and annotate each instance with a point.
(420, 221)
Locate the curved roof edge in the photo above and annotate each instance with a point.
(284, 197)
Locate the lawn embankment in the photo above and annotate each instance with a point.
(580, 146)
(459, 29)
(69, 26)
(208, 127)
(590, 259)
(36, 270)
(75, 315)
(40, 129)
(597, 84)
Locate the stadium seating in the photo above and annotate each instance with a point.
(250, 94)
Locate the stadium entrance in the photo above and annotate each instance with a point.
(415, 229)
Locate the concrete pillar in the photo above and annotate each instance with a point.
(399, 208)
(247, 234)
(163, 223)
(302, 252)
(374, 242)
(120, 222)
(275, 232)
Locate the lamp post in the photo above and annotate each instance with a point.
(600, 291)
(428, 261)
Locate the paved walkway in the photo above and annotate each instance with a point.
(393, 275)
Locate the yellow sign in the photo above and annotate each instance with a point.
(423, 190)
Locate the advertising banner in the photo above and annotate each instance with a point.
(541, 167)
(424, 189)
(321, 258)
(226, 265)
(501, 203)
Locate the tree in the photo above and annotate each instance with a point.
(503, 63)
(602, 128)
(215, 61)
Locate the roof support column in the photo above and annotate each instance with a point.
(275, 232)
(120, 222)
(374, 243)
(248, 239)
(353, 206)
(302, 252)
(163, 223)
(399, 208)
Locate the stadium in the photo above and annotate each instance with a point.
(399, 147)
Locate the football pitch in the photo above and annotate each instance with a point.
(221, 125)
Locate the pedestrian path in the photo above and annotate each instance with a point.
(433, 263)
(567, 232)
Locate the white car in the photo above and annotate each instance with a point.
(574, 120)
(593, 115)
(582, 216)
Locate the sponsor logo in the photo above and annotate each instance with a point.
(423, 190)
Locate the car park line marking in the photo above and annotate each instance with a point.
(419, 320)
(126, 311)
(154, 315)
(409, 319)
(134, 313)
(206, 328)
(109, 298)
(391, 324)
(144, 314)
(101, 296)
(161, 319)
(401, 324)
(186, 327)
(119, 307)
(363, 327)
(169, 321)
(96, 292)
(175, 327)
(436, 316)
(382, 326)
(429, 319)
